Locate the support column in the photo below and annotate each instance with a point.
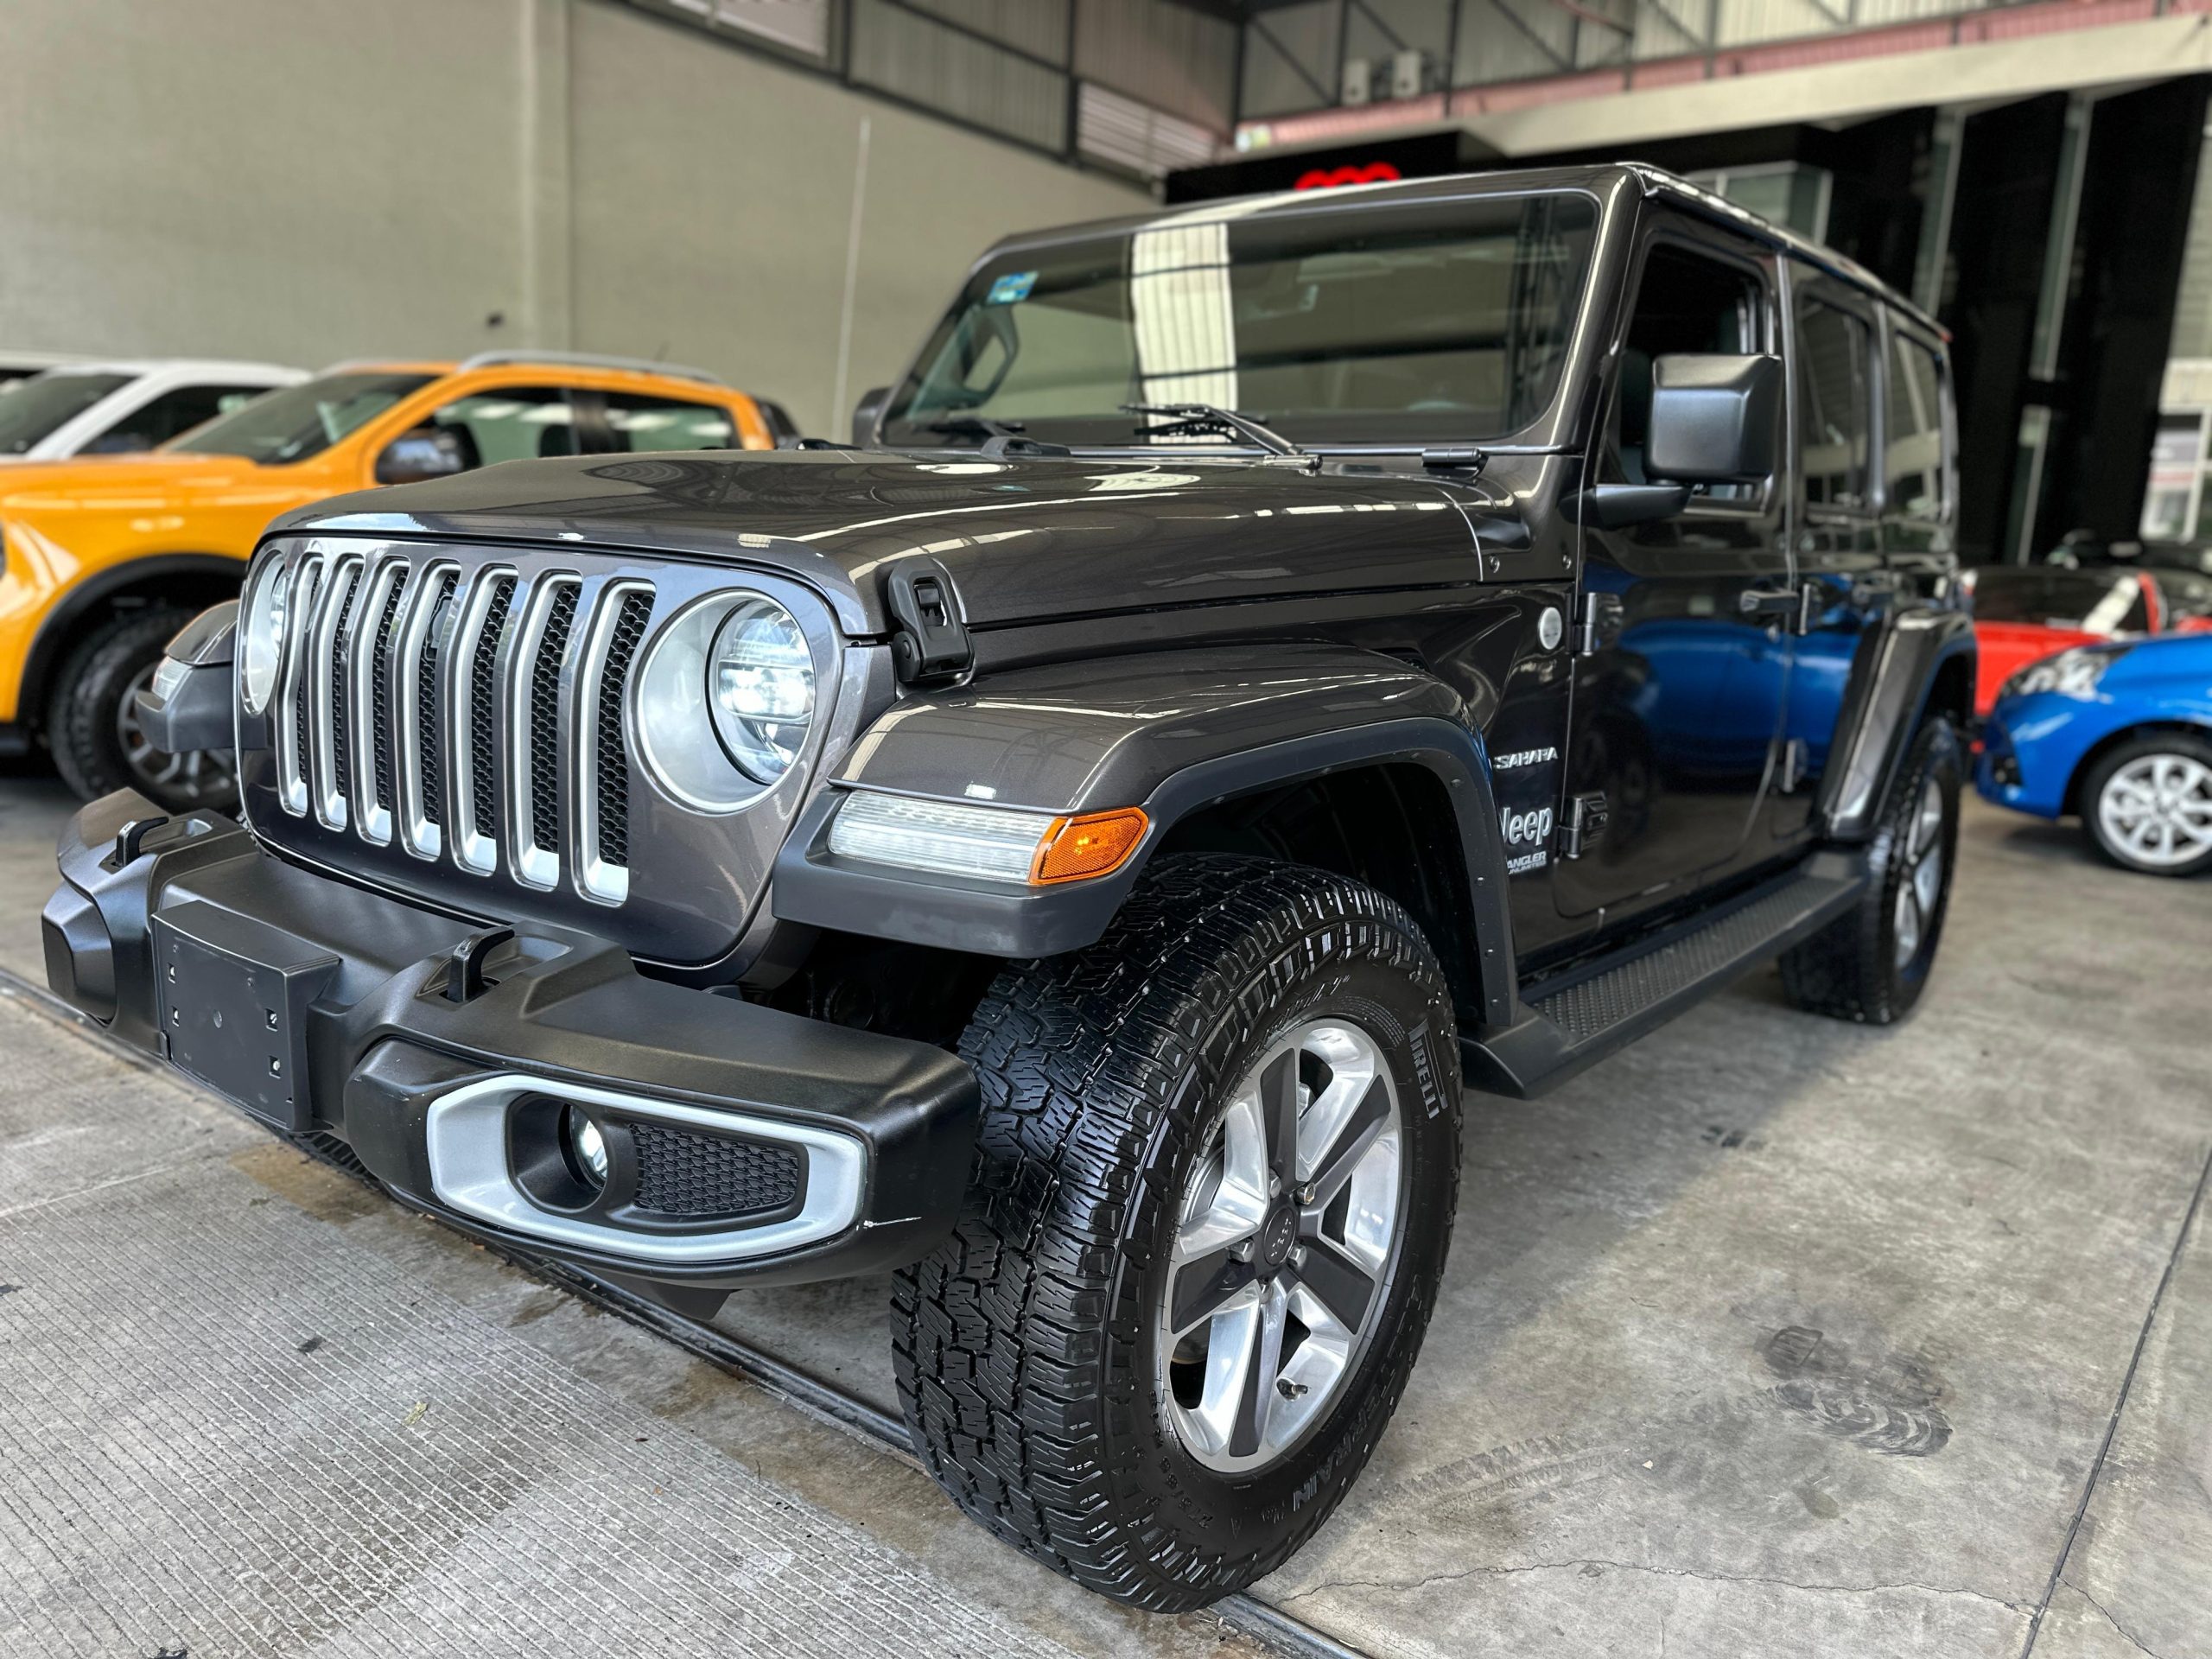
(547, 318)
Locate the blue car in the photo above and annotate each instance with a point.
(2120, 734)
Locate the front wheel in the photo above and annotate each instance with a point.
(2147, 805)
(92, 726)
(1216, 1170)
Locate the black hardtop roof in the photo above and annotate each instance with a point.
(1600, 179)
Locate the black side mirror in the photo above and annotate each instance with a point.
(866, 413)
(1714, 419)
(426, 452)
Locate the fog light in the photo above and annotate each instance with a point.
(587, 1148)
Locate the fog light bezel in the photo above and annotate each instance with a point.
(489, 1143)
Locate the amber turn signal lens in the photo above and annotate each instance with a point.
(1097, 844)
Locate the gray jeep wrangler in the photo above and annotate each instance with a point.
(1269, 674)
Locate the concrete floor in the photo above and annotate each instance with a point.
(1770, 1336)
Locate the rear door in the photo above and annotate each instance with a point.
(630, 422)
(1678, 708)
(1835, 388)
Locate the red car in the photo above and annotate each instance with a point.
(2022, 613)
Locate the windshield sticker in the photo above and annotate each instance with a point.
(1012, 288)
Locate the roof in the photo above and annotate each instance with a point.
(207, 365)
(549, 358)
(1599, 178)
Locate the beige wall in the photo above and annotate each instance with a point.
(307, 180)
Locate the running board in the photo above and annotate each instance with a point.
(1575, 1020)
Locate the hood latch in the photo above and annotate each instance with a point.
(930, 646)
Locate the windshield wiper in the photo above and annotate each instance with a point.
(1193, 418)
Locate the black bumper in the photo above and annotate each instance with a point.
(319, 1006)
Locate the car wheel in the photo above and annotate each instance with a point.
(92, 723)
(2147, 805)
(1216, 1175)
(1871, 964)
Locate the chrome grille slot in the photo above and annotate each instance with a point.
(326, 696)
(533, 729)
(603, 771)
(362, 719)
(474, 724)
(417, 745)
(291, 701)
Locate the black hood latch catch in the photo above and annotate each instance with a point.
(930, 646)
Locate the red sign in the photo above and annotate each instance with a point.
(1328, 178)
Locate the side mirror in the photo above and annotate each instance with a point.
(866, 413)
(426, 452)
(1714, 419)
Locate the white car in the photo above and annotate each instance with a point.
(16, 367)
(121, 408)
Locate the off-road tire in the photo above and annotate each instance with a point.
(88, 692)
(1849, 969)
(2184, 745)
(1025, 1347)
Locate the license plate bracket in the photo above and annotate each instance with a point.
(233, 995)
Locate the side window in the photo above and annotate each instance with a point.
(1832, 404)
(170, 416)
(1684, 302)
(1912, 430)
(642, 422)
(512, 423)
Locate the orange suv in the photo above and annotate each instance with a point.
(102, 560)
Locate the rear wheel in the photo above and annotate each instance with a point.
(2147, 805)
(1871, 964)
(93, 725)
(1216, 1176)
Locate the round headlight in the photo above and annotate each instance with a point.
(760, 687)
(261, 635)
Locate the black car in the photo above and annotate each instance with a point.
(1266, 670)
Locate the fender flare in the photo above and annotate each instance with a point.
(1899, 665)
(51, 642)
(1173, 732)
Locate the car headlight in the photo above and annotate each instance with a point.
(760, 688)
(2072, 673)
(261, 635)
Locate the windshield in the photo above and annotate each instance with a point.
(2087, 601)
(1407, 325)
(37, 406)
(300, 420)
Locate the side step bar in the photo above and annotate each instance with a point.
(1577, 1019)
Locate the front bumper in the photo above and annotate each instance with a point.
(2030, 748)
(446, 1059)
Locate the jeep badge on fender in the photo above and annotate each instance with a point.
(1081, 850)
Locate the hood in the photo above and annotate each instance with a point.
(121, 481)
(1026, 540)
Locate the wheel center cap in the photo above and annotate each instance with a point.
(1278, 1237)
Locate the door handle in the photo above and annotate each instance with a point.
(1793, 608)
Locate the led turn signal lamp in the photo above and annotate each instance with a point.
(991, 844)
(1098, 843)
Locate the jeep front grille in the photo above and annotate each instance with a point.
(374, 728)
(458, 723)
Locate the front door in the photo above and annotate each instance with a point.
(1678, 708)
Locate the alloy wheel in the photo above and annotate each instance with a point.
(2157, 810)
(197, 778)
(1924, 880)
(1288, 1240)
